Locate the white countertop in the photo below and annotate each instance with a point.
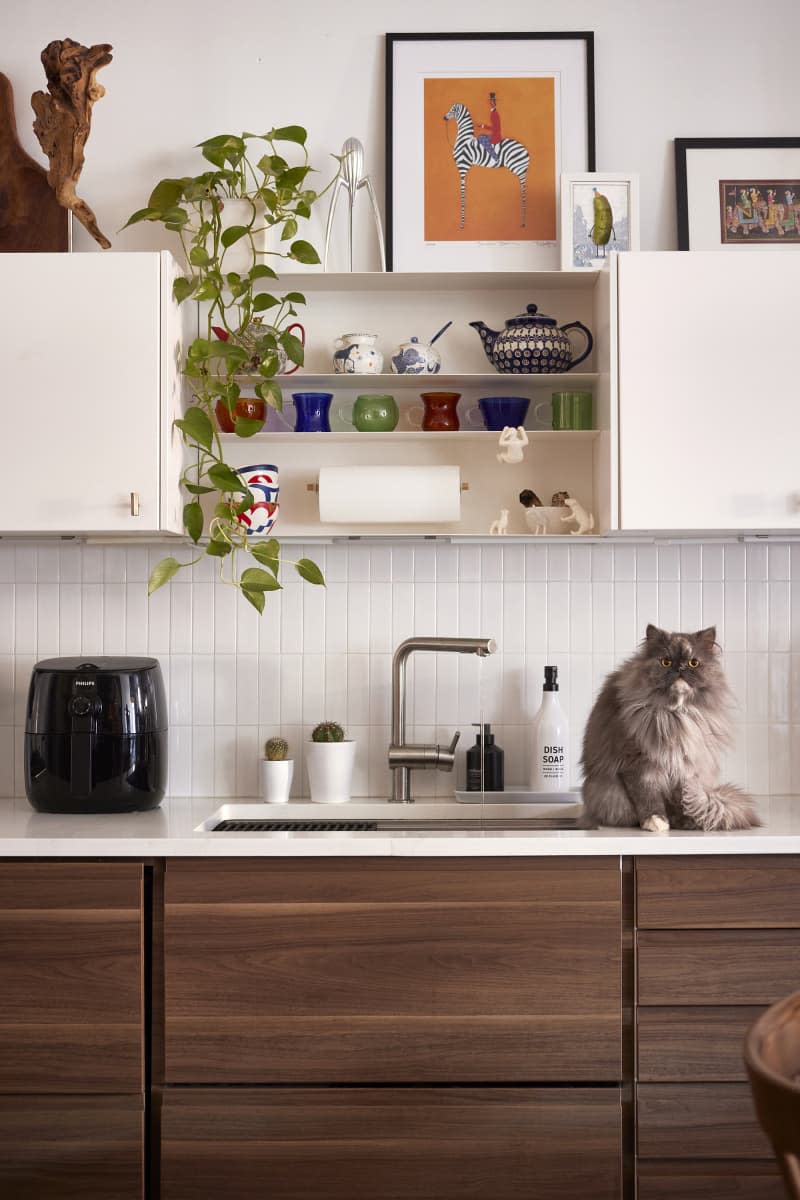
(175, 830)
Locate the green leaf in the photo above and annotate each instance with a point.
(293, 347)
(289, 229)
(175, 218)
(207, 290)
(166, 194)
(263, 301)
(269, 391)
(233, 234)
(196, 425)
(182, 288)
(200, 348)
(224, 479)
(193, 520)
(294, 298)
(222, 511)
(245, 427)
(162, 573)
(256, 580)
(288, 133)
(293, 177)
(199, 256)
(308, 570)
(218, 549)
(143, 214)
(302, 209)
(262, 271)
(267, 553)
(269, 366)
(197, 489)
(257, 599)
(304, 252)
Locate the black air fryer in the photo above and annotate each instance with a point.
(96, 735)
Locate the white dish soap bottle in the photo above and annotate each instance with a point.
(550, 748)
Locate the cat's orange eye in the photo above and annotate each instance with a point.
(694, 663)
(666, 662)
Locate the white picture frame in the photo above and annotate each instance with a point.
(579, 250)
(423, 167)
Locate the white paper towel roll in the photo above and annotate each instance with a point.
(389, 495)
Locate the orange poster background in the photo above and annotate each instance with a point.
(527, 114)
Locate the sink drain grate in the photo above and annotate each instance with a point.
(253, 826)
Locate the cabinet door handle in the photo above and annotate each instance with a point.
(134, 504)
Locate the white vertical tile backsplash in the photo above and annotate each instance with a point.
(325, 653)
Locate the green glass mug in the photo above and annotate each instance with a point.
(374, 414)
(568, 410)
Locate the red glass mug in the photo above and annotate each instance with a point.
(439, 414)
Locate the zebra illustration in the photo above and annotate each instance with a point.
(468, 152)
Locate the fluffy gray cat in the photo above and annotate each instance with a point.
(654, 736)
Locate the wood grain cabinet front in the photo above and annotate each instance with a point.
(390, 970)
(425, 1143)
(71, 1031)
(71, 977)
(718, 941)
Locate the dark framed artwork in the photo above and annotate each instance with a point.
(479, 128)
(735, 192)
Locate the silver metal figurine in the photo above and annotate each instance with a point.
(352, 176)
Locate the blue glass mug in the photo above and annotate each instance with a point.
(496, 412)
(311, 412)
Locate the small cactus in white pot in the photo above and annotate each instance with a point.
(277, 770)
(329, 760)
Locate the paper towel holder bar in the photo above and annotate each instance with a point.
(314, 487)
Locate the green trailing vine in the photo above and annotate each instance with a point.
(246, 332)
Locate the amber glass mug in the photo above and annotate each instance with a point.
(439, 412)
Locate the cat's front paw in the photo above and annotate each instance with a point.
(655, 824)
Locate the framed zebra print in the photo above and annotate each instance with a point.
(479, 129)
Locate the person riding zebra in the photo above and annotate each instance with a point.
(491, 139)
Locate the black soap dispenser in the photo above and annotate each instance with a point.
(485, 763)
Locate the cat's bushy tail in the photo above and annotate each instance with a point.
(726, 807)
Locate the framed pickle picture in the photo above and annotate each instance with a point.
(599, 213)
(479, 128)
(734, 192)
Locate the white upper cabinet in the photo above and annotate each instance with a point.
(709, 418)
(91, 346)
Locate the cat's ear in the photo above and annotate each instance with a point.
(706, 637)
(654, 634)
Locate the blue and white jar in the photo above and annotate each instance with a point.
(356, 354)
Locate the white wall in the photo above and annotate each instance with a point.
(234, 679)
(184, 70)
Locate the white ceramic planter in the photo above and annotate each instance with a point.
(276, 780)
(330, 770)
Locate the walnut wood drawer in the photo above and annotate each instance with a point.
(709, 1181)
(698, 1120)
(693, 1044)
(725, 966)
(72, 1147)
(71, 977)
(760, 892)
(334, 970)
(391, 1144)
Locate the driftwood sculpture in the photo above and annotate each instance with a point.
(64, 119)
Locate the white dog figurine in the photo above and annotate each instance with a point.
(578, 513)
(500, 525)
(512, 442)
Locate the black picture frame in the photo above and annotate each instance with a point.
(728, 158)
(584, 161)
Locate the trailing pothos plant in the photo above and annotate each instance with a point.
(245, 335)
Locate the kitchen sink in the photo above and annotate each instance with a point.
(262, 818)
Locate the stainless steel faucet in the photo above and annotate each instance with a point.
(404, 758)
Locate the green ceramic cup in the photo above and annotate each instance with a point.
(375, 414)
(570, 410)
